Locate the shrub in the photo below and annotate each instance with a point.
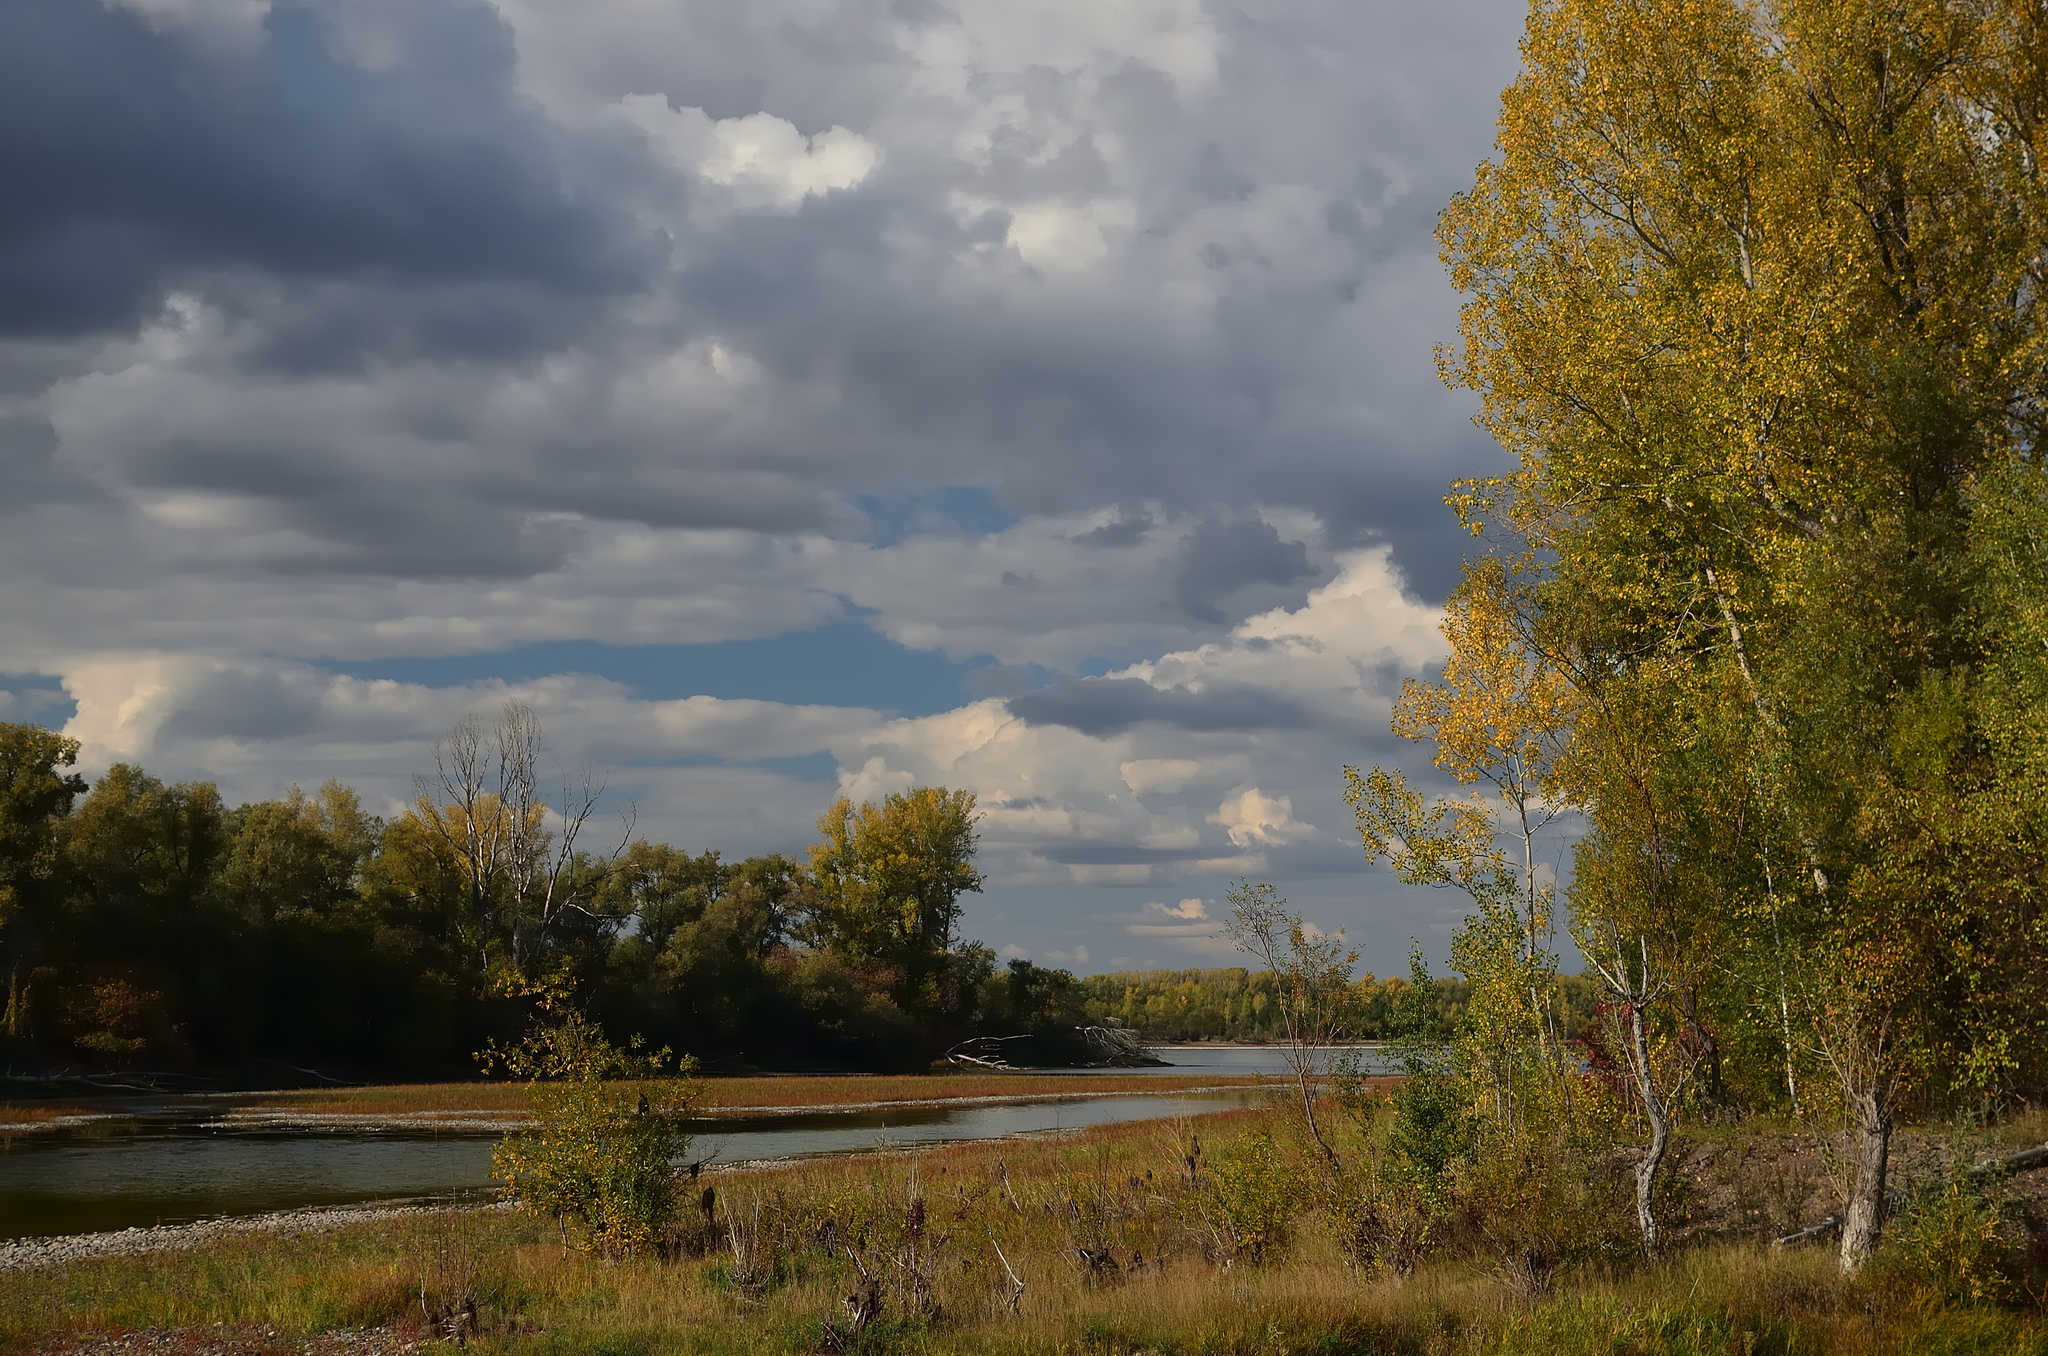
(600, 1158)
(1958, 1244)
(1533, 1206)
(1255, 1193)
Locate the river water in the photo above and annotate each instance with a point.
(176, 1161)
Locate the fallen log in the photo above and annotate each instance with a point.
(2026, 1160)
(1826, 1226)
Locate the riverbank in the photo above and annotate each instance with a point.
(1121, 1246)
(478, 1108)
(29, 1254)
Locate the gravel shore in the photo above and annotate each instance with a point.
(234, 1339)
(28, 1253)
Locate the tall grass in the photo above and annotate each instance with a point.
(1073, 1215)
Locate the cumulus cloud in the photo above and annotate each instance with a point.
(343, 331)
(761, 158)
(1185, 926)
(1253, 817)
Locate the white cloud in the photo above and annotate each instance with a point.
(1168, 775)
(764, 160)
(1187, 909)
(1251, 816)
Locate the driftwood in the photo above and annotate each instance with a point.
(2026, 1160)
(1826, 1226)
(983, 1052)
(1113, 1047)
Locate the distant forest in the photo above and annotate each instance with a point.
(1236, 1004)
(147, 925)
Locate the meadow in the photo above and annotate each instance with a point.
(1202, 1235)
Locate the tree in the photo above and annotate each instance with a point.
(1753, 294)
(302, 854)
(888, 882)
(483, 803)
(1450, 843)
(1501, 713)
(608, 1129)
(1312, 971)
(35, 793)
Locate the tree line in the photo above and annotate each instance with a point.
(148, 925)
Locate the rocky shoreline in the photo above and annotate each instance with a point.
(25, 1254)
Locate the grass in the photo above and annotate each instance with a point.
(38, 1113)
(788, 1090)
(1122, 1189)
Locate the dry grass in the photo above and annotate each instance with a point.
(38, 1114)
(792, 1090)
(1123, 1190)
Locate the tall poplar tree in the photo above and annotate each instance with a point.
(1752, 294)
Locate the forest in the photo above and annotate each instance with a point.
(148, 926)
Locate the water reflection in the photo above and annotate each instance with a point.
(173, 1167)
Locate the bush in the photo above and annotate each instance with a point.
(1534, 1206)
(1958, 1243)
(1255, 1193)
(600, 1158)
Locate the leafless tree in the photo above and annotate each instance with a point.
(484, 804)
(1636, 989)
(1313, 970)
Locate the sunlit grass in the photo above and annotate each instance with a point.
(1123, 1187)
(38, 1113)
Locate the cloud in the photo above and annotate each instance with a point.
(1252, 817)
(761, 158)
(1092, 339)
(1186, 909)
(1219, 558)
(1102, 706)
(1185, 925)
(150, 172)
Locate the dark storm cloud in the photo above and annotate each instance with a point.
(1108, 706)
(437, 296)
(136, 164)
(1128, 530)
(1219, 558)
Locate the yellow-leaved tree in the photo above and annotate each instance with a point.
(1753, 296)
(1500, 715)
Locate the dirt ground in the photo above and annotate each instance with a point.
(1769, 1185)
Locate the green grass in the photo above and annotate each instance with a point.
(1083, 1190)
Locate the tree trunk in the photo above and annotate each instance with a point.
(1863, 1222)
(1659, 1118)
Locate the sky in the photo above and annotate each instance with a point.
(785, 399)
